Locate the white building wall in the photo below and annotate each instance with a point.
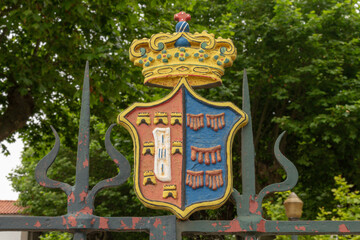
(13, 235)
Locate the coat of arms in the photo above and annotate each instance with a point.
(182, 143)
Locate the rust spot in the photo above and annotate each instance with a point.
(253, 205)
(302, 228)
(80, 142)
(86, 163)
(42, 184)
(343, 228)
(234, 227)
(71, 197)
(135, 220)
(277, 228)
(92, 221)
(103, 223)
(86, 210)
(250, 227)
(157, 222)
(26, 224)
(37, 224)
(164, 233)
(116, 161)
(260, 227)
(72, 221)
(214, 224)
(82, 195)
(123, 225)
(64, 220)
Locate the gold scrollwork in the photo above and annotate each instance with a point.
(138, 48)
(158, 41)
(205, 40)
(227, 45)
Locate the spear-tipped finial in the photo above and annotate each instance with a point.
(247, 145)
(82, 165)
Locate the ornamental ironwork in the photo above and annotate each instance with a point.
(182, 146)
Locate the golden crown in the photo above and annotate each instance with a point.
(167, 57)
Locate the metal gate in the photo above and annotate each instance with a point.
(249, 222)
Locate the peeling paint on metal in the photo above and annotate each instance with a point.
(86, 210)
(37, 224)
(72, 221)
(157, 222)
(301, 228)
(123, 225)
(235, 227)
(82, 195)
(71, 197)
(253, 205)
(260, 227)
(86, 163)
(103, 223)
(343, 228)
(135, 220)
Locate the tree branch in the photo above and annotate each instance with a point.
(19, 109)
(262, 118)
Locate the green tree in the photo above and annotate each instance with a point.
(347, 208)
(303, 65)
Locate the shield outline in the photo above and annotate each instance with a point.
(187, 211)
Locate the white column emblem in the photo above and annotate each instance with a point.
(162, 164)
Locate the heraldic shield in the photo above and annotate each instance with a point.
(182, 150)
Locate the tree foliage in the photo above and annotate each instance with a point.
(347, 208)
(302, 59)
